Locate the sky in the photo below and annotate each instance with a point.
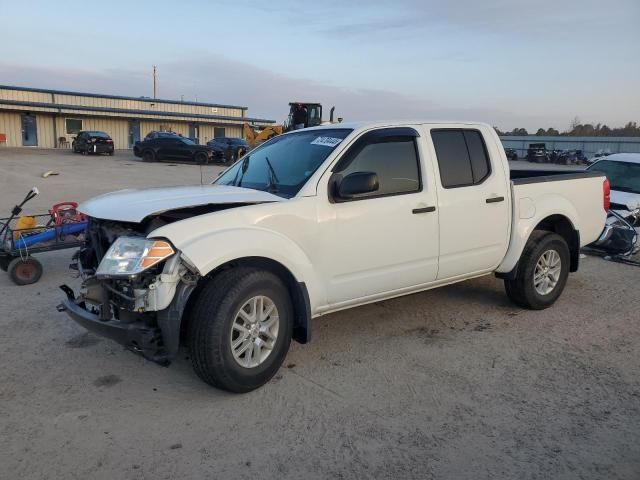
(509, 63)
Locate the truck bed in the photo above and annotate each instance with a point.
(523, 177)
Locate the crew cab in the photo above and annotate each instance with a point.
(320, 220)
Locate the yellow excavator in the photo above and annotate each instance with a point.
(300, 113)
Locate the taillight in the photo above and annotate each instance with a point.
(109, 140)
(606, 195)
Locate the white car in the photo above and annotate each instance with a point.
(623, 172)
(320, 220)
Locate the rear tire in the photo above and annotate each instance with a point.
(24, 272)
(215, 322)
(542, 272)
(148, 156)
(201, 158)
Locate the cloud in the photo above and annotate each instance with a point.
(516, 18)
(266, 93)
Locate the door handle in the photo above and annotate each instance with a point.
(494, 199)
(424, 210)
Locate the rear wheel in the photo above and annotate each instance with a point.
(25, 271)
(241, 329)
(148, 156)
(542, 272)
(201, 158)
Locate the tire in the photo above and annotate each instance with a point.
(24, 272)
(148, 156)
(210, 331)
(201, 158)
(523, 290)
(111, 153)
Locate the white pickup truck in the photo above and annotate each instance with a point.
(320, 220)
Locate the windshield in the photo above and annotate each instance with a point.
(623, 176)
(284, 164)
(98, 134)
(188, 141)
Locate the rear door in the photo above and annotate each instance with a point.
(473, 201)
(163, 147)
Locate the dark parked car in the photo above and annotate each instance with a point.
(92, 142)
(150, 136)
(230, 149)
(511, 153)
(173, 147)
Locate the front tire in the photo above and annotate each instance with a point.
(148, 156)
(542, 272)
(240, 330)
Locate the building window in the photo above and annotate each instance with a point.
(72, 125)
(218, 132)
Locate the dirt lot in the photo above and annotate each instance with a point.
(454, 383)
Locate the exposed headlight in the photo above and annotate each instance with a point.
(132, 255)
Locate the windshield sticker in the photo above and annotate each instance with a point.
(326, 141)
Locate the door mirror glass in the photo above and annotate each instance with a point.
(357, 183)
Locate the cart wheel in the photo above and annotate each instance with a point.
(25, 272)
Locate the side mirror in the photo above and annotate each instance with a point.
(357, 183)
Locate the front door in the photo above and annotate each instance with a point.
(134, 132)
(29, 131)
(474, 203)
(386, 240)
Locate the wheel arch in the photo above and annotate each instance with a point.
(559, 223)
(563, 226)
(297, 290)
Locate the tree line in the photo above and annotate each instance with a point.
(577, 129)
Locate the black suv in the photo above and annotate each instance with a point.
(228, 148)
(172, 147)
(92, 142)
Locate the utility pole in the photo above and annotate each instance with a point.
(155, 88)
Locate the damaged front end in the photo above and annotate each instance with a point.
(134, 289)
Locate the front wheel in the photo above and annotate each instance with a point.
(542, 272)
(240, 330)
(148, 156)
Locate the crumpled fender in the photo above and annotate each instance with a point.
(211, 249)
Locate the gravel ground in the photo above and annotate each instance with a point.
(454, 383)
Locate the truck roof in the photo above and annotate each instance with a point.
(397, 123)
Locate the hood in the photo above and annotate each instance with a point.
(631, 200)
(135, 205)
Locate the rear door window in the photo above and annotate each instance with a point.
(462, 157)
